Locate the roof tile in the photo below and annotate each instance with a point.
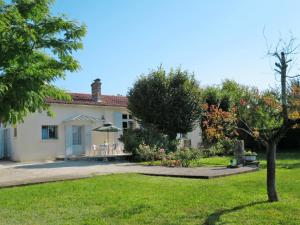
(86, 99)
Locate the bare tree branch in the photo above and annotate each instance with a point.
(278, 65)
(293, 76)
(278, 71)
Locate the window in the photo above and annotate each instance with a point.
(15, 132)
(125, 126)
(181, 135)
(127, 121)
(76, 135)
(49, 132)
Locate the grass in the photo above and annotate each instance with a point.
(138, 199)
(284, 160)
(212, 161)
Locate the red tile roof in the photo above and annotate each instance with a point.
(86, 99)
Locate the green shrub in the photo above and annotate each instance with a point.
(214, 150)
(160, 154)
(171, 163)
(221, 148)
(182, 157)
(145, 153)
(228, 145)
(171, 156)
(149, 153)
(133, 138)
(250, 153)
(186, 155)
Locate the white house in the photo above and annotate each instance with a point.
(70, 132)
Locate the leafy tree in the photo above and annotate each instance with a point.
(218, 124)
(294, 99)
(35, 50)
(219, 119)
(266, 116)
(169, 101)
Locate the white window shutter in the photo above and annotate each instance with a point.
(118, 119)
(88, 137)
(8, 143)
(69, 137)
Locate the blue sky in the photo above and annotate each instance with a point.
(215, 39)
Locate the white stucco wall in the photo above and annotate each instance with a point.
(196, 137)
(1, 142)
(29, 146)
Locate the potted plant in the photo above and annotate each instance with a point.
(233, 163)
(250, 156)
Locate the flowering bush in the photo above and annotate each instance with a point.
(182, 157)
(133, 138)
(149, 153)
(160, 154)
(186, 155)
(170, 156)
(171, 163)
(145, 153)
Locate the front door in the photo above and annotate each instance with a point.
(77, 140)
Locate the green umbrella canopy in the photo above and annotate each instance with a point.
(107, 127)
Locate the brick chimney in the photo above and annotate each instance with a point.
(96, 90)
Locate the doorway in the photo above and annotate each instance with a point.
(77, 140)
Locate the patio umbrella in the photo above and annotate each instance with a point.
(107, 127)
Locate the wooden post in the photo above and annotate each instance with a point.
(239, 152)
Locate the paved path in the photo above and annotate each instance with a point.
(14, 174)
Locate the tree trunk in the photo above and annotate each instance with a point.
(239, 152)
(271, 167)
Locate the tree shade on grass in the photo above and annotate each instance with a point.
(139, 199)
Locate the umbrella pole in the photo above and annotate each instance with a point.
(108, 148)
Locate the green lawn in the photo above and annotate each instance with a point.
(139, 199)
(284, 160)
